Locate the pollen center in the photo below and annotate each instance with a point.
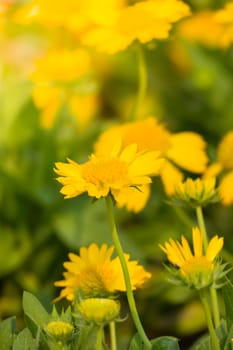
(108, 171)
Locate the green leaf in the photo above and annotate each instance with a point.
(204, 342)
(7, 330)
(165, 343)
(34, 310)
(136, 343)
(227, 293)
(24, 341)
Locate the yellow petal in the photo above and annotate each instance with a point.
(197, 242)
(214, 248)
(170, 176)
(226, 189)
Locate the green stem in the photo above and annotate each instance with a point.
(99, 338)
(142, 82)
(213, 292)
(201, 224)
(112, 327)
(129, 291)
(213, 336)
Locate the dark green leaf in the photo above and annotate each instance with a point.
(165, 343)
(136, 343)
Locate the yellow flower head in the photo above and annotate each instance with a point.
(225, 18)
(99, 310)
(59, 77)
(59, 330)
(196, 192)
(113, 173)
(195, 269)
(97, 274)
(224, 166)
(185, 149)
(143, 21)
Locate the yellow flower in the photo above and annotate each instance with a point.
(195, 269)
(99, 310)
(61, 76)
(97, 274)
(59, 330)
(195, 27)
(225, 18)
(143, 21)
(196, 192)
(113, 173)
(109, 25)
(184, 149)
(224, 166)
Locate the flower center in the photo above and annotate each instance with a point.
(108, 171)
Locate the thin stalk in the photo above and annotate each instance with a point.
(99, 338)
(213, 292)
(112, 327)
(213, 336)
(142, 82)
(129, 291)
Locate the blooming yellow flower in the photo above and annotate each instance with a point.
(61, 76)
(97, 274)
(184, 149)
(202, 28)
(224, 166)
(195, 269)
(143, 21)
(225, 18)
(113, 173)
(99, 310)
(196, 192)
(109, 25)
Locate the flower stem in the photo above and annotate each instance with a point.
(112, 327)
(213, 336)
(142, 82)
(129, 291)
(213, 292)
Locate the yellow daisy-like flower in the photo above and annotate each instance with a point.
(143, 21)
(99, 310)
(115, 172)
(194, 29)
(97, 274)
(197, 270)
(59, 77)
(225, 18)
(184, 149)
(108, 25)
(224, 166)
(196, 192)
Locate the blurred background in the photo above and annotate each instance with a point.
(190, 85)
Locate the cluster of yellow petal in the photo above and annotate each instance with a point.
(110, 26)
(224, 165)
(59, 330)
(184, 149)
(196, 192)
(58, 78)
(96, 273)
(197, 269)
(115, 172)
(219, 24)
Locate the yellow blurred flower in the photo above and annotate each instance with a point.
(143, 21)
(184, 149)
(225, 18)
(97, 274)
(99, 310)
(224, 166)
(62, 76)
(108, 25)
(116, 171)
(196, 192)
(195, 269)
